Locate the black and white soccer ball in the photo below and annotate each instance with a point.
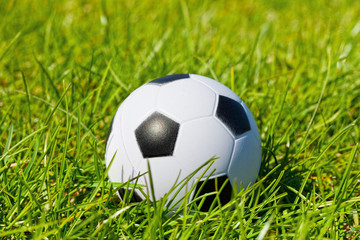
(176, 124)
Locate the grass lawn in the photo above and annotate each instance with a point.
(65, 66)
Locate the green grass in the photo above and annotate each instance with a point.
(65, 66)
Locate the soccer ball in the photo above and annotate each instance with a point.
(175, 124)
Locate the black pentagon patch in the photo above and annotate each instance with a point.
(156, 136)
(233, 115)
(212, 185)
(123, 192)
(170, 78)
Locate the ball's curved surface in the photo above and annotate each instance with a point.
(177, 123)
